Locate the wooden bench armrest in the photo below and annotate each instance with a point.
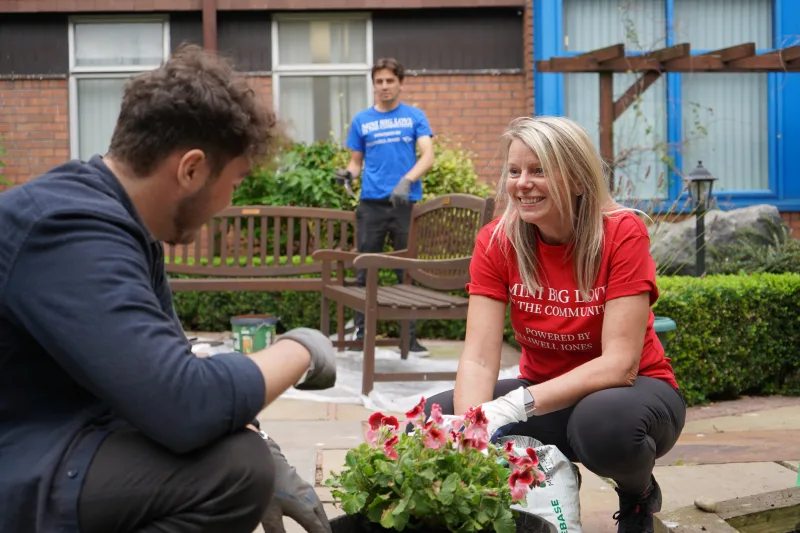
(389, 262)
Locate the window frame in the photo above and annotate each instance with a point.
(77, 73)
(549, 95)
(318, 69)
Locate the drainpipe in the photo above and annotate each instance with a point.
(210, 24)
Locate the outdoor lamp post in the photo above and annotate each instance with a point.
(701, 183)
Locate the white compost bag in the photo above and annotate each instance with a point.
(559, 501)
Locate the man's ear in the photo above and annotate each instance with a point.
(192, 171)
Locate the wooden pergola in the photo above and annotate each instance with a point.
(613, 59)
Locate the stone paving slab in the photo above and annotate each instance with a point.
(682, 485)
(295, 410)
(734, 447)
(783, 418)
(599, 502)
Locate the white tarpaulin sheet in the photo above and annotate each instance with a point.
(392, 396)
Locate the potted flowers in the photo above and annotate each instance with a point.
(444, 476)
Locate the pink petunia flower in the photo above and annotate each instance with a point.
(436, 415)
(417, 414)
(388, 447)
(520, 481)
(435, 438)
(380, 428)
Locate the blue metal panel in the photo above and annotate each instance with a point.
(787, 27)
(673, 118)
(548, 42)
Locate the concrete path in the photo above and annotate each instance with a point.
(752, 447)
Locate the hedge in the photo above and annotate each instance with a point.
(737, 334)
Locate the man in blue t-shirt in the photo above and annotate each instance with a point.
(385, 139)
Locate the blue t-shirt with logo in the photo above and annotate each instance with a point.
(388, 141)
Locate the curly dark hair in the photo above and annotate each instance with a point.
(195, 100)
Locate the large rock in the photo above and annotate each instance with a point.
(673, 244)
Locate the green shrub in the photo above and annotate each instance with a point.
(305, 175)
(775, 252)
(736, 334)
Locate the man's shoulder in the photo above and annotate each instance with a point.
(413, 110)
(67, 193)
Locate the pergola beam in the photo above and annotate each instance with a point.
(613, 59)
(678, 58)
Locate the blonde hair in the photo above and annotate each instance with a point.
(561, 146)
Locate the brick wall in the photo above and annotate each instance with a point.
(34, 126)
(472, 109)
(528, 40)
(793, 221)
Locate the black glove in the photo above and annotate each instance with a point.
(401, 192)
(322, 371)
(343, 176)
(294, 498)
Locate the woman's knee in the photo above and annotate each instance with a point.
(605, 433)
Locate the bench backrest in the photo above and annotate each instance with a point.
(446, 228)
(263, 241)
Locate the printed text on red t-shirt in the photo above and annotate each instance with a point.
(545, 301)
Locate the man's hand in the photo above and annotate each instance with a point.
(321, 373)
(504, 412)
(400, 194)
(343, 176)
(294, 498)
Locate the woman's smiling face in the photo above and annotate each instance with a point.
(529, 190)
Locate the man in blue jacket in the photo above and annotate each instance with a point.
(385, 139)
(108, 422)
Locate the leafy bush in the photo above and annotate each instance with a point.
(736, 333)
(304, 175)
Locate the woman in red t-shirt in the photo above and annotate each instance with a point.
(575, 269)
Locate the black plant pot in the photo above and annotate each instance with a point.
(526, 523)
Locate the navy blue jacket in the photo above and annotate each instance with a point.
(89, 342)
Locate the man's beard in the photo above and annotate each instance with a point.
(190, 215)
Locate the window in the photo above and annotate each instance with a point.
(321, 73)
(103, 54)
(733, 122)
(641, 132)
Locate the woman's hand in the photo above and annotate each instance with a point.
(504, 412)
(479, 365)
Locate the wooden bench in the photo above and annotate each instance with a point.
(261, 248)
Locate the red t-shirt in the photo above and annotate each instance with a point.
(556, 328)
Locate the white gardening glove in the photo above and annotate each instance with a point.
(503, 412)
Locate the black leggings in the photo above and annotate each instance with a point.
(616, 433)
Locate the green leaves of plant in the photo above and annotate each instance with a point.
(460, 492)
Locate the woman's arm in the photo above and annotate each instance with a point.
(479, 365)
(624, 328)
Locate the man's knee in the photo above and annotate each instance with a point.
(250, 473)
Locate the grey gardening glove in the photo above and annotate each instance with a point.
(400, 194)
(343, 177)
(294, 498)
(321, 373)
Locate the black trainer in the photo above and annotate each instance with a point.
(417, 349)
(636, 511)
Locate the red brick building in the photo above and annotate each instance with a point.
(469, 64)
